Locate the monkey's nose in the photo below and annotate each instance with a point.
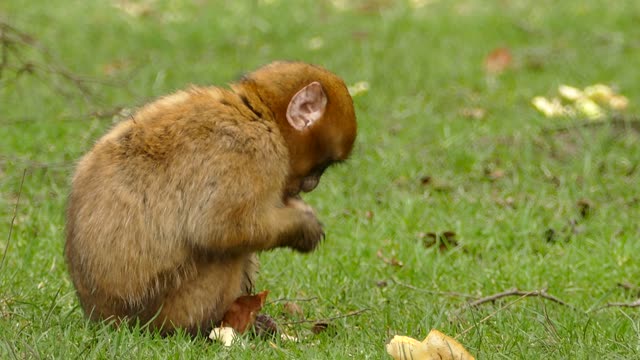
(309, 183)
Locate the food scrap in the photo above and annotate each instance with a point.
(436, 346)
(591, 102)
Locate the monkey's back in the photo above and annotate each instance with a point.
(159, 187)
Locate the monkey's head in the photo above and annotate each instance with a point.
(315, 115)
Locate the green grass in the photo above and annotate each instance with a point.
(424, 66)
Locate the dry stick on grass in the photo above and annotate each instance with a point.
(617, 304)
(443, 293)
(515, 292)
(292, 300)
(617, 121)
(10, 40)
(489, 316)
(326, 320)
(13, 219)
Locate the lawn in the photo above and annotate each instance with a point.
(458, 189)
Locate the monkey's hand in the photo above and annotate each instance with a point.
(311, 232)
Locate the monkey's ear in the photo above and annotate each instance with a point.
(307, 106)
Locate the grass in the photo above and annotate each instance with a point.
(511, 190)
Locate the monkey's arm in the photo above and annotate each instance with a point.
(240, 194)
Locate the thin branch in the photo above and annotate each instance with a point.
(618, 304)
(616, 121)
(13, 219)
(443, 293)
(489, 316)
(291, 300)
(515, 292)
(351, 313)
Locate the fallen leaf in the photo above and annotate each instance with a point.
(265, 325)
(393, 261)
(292, 309)
(242, 313)
(425, 180)
(319, 327)
(437, 346)
(445, 240)
(550, 235)
(498, 61)
(475, 113)
(585, 207)
(495, 174)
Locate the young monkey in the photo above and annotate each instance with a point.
(169, 208)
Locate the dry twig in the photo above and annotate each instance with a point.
(633, 304)
(326, 320)
(443, 293)
(515, 292)
(292, 300)
(13, 219)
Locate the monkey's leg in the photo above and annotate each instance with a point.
(199, 302)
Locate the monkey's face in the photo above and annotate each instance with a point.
(316, 116)
(320, 134)
(305, 181)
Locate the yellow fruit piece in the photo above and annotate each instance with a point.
(570, 93)
(618, 102)
(599, 92)
(589, 108)
(225, 335)
(406, 348)
(437, 346)
(549, 108)
(443, 347)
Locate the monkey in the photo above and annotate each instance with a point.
(167, 212)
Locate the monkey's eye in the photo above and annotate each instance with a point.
(318, 170)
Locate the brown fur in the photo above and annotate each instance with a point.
(168, 209)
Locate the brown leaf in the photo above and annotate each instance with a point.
(292, 309)
(323, 326)
(498, 60)
(241, 315)
(368, 214)
(425, 180)
(393, 261)
(445, 240)
(265, 325)
(474, 113)
(585, 206)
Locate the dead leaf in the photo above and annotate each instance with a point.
(319, 327)
(264, 325)
(445, 240)
(585, 207)
(425, 180)
(292, 309)
(474, 113)
(393, 261)
(242, 313)
(498, 61)
(368, 214)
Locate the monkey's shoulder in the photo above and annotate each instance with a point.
(195, 122)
